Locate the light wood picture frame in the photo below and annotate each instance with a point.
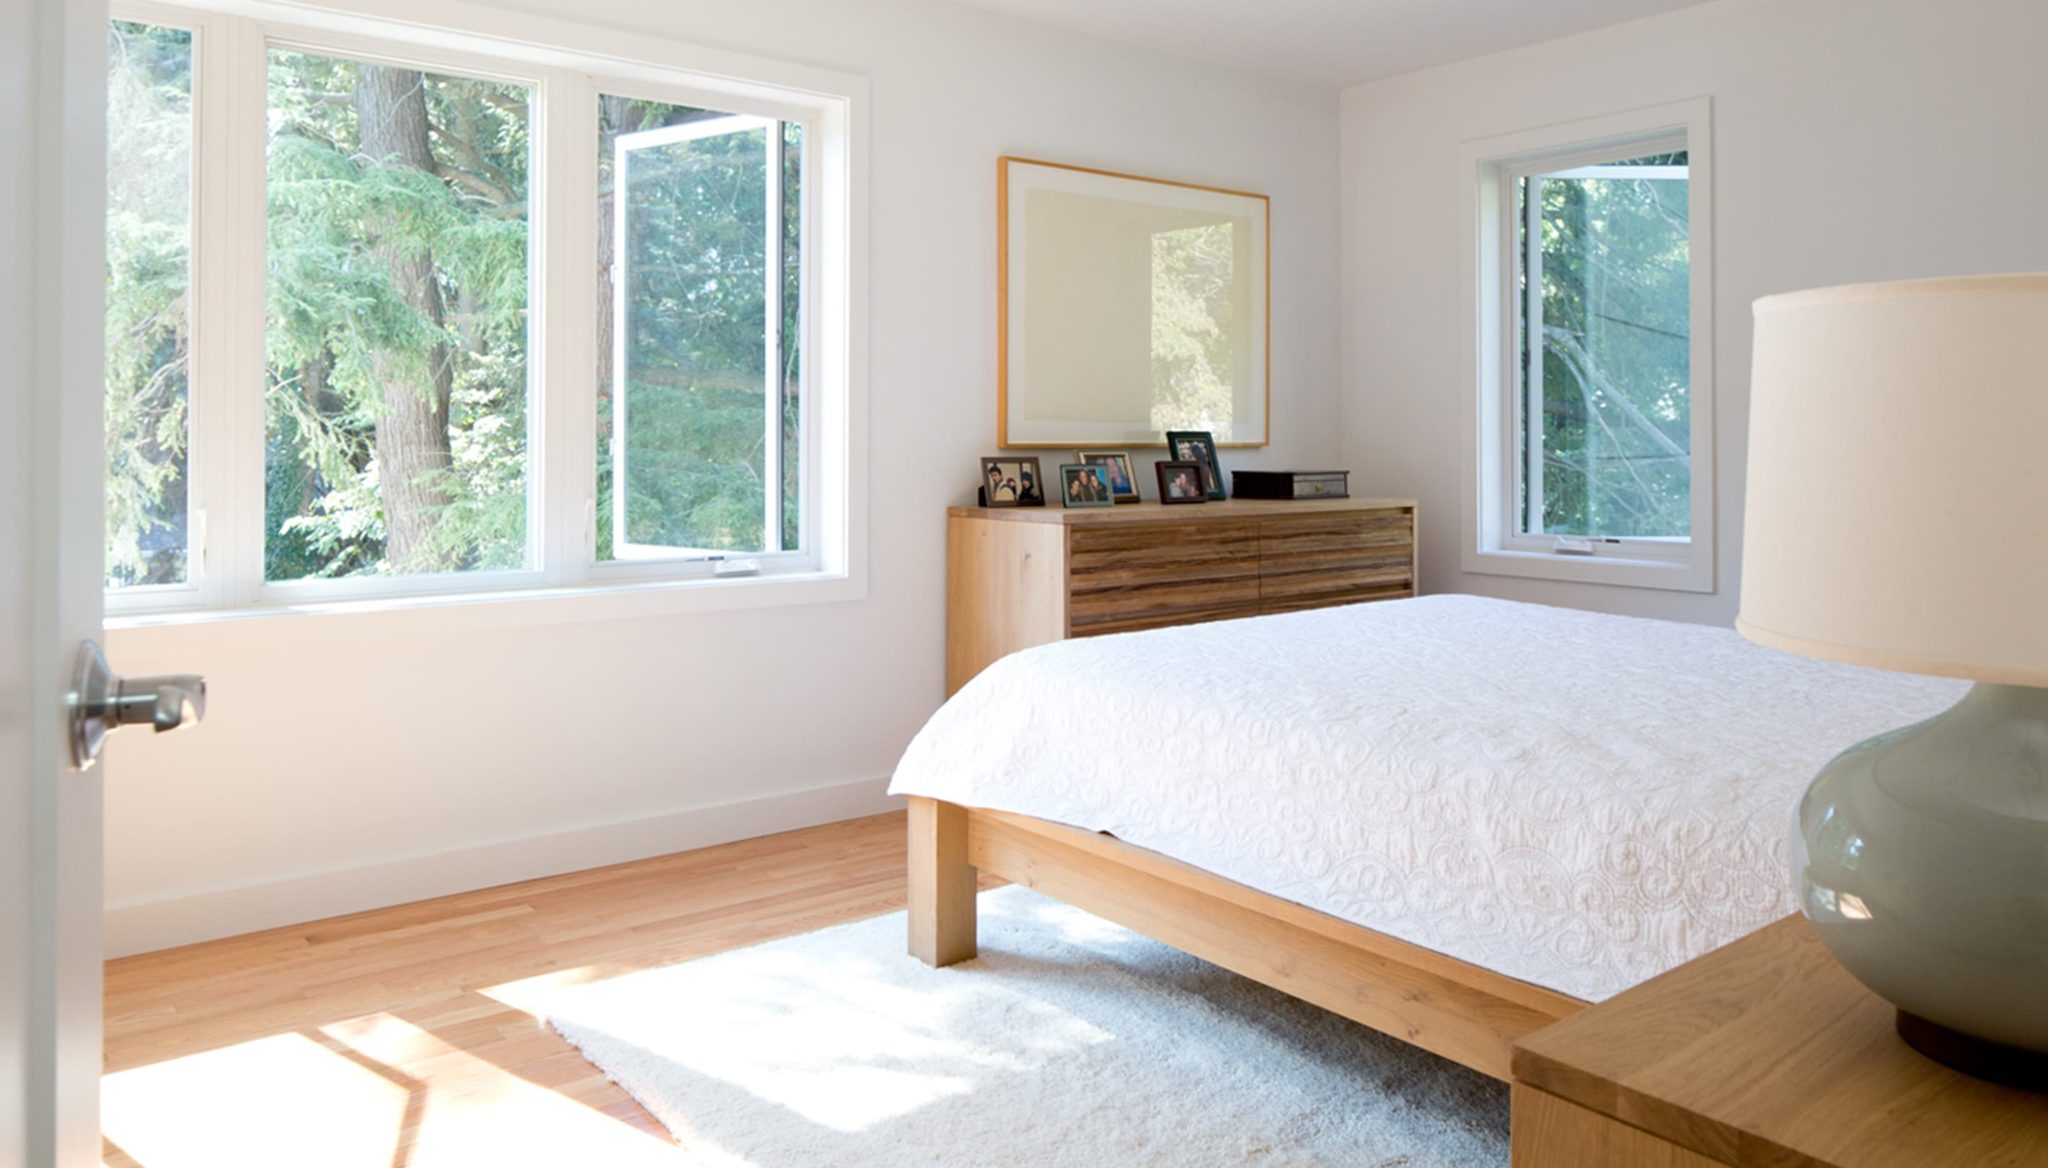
(1123, 482)
(1094, 269)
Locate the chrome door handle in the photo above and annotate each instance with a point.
(102, 703)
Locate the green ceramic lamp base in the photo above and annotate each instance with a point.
(1921, 858)
(1979, 1058)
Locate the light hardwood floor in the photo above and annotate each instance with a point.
(395, 1037)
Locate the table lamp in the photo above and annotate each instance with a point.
(1897, 516)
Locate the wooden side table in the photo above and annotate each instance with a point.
(1763, 1052)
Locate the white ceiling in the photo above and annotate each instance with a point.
(1339, 42)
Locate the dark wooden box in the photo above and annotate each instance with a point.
(1290, 484)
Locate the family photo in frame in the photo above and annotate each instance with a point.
(1011, 482)
(1198, 446)
(1085, 484)
(1181, 482)
(1123, 485)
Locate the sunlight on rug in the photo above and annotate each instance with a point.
(1068, 1041)
(342, 1096)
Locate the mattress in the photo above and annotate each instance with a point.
(1575, 799)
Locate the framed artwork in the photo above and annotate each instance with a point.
(1198, 446)
(1123, 485)
(1011, 482)
(1181, 482)
(1126, 306)
(1085, 484)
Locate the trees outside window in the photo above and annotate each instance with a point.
(699, 298)
(378, 255)
(397, 315)
(1605, 350)
(149, 309)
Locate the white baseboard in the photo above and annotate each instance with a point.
(144, 926)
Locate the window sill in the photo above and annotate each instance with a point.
(1693, 575)
(288, 627)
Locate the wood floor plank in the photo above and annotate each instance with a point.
(397, 1001)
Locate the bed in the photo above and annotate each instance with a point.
(1453, 819)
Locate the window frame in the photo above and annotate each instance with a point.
(567, 66)
(626, 552)
(1493, 542)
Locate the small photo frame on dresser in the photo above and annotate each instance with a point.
(1181, 482)
(1011, 482)
(1198, 446)
(1123, 485)
(1085, 484)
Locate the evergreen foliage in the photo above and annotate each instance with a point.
(397, 322)
(695, 358)
(343, 335)
(1616, 352)
(149, 338)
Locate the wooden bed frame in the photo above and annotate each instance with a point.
(1451, 1007)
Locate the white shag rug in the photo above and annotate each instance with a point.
(1069, 1041)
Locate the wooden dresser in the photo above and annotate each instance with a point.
(1764, 1052)
(1022, 576)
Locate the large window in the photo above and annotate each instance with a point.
(349, 279)
(1594, 417)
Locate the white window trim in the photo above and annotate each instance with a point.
(1490, 545)
(568, 64)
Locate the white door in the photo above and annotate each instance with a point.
(52, 146)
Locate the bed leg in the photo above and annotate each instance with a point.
(941, 883)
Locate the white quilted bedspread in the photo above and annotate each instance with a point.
(1578, 800)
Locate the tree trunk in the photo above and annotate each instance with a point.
(413, 455)
(613, 113)
(320, 403)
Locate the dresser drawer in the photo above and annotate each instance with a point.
(1163, 551)
(1157, 604)
(1143, 576)
(1327, 591)
(1318, 541)
(1313, 561)
(1134, 619)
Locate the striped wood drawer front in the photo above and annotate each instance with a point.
(1319, 560)
(1149, 575)
(1327, 599)
(1164, 619)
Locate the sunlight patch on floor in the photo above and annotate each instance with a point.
(282, 1099)
(530, 995)
(296, 1099)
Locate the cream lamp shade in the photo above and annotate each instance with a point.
(1897, 507)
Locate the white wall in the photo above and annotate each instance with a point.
(362, 772)
(1854, 139)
